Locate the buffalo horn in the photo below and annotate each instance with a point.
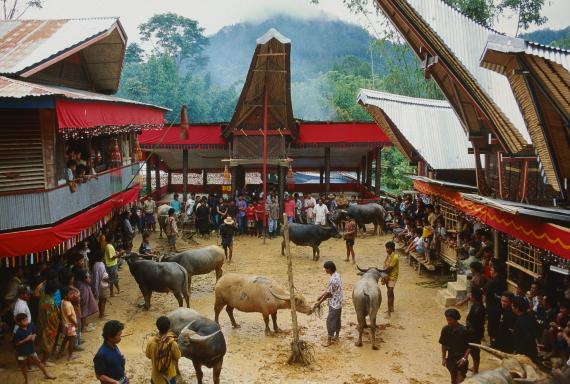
(492, 351)
(380, 270)
(196, 338)
(362, 270)
(279, 296)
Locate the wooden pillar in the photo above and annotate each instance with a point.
(362, 179)
(233, 171)
(368, 170)
(204, 178)
(157, 174)
(169, 182)
(148, 173)
(496, 239)
(358, 175)
(321, 176)
(378, 170)
(281, 184)
(184, 174)
(327, 170)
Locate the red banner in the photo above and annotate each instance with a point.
(84, 114)
(536, 232)
(38, 240)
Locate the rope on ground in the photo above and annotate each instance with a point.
(432, 284)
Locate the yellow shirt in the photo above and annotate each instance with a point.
(151, 349)
(109, 254)
(393, 261)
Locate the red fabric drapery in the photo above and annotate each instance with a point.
(38, 240)
(313, 133)
(87, 114)
(170, 137)
(536, 232)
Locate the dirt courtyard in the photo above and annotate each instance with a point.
(409, 351)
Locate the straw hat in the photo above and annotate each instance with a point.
(229, 221)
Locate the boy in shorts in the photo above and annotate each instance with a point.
(24, 341)
(69, 321)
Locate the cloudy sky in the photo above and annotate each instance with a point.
(214, 14)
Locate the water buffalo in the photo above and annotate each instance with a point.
(200, 340)
(310, 235)
(152, 276)
(252, 293)
(364, 214)
(367, 298)
(199, 261)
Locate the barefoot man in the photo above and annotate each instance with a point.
(392, 268)
(335, 297)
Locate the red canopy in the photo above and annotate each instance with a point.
(199, 136)
(43, 239)
(341, 132)
(90, 114)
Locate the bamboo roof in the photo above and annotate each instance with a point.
(450, 45)
(540, 79)
(269, 72)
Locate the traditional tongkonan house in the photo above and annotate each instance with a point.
(415, 126)
(521, 193)
(236, 148)
(69, 157)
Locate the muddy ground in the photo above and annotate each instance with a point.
(409, 351)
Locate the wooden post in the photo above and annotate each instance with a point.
(148, 173)
(204, 178)
(184, 174)
(358, 176)
(378, 170)
(301, 352)
(265, 116)
(327, 170)
(290, 275)
(321, 176)
(233, 171)
(157, 175)
(281, 185)
(169, 181)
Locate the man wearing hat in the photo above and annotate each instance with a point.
(227, 231)
(454, 341)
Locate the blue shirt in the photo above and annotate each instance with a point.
(109, 362)
(27, 348)
(176, 205)
(241, 204)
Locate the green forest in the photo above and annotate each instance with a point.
(330, 61)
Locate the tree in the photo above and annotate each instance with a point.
(528, 12)
(134, 54)
(176, 36)
(482, 11)
(563, 42)
(13, 9)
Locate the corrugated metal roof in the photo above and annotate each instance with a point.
(466, 40)
(25, 43)
(17, 89)
(513, 45)
(430, 126)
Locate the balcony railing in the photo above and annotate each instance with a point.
(39, 208)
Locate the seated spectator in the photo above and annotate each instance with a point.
(70, 169)
(417, 244)
(145, 248)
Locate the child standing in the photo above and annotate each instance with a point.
(24, 340)
(69, 321)
(250, 217)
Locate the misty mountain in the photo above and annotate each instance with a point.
(316, 45)
(547, 36)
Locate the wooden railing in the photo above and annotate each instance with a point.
(45, 207)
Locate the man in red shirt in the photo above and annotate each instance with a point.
(258, 217)
(250, 217)
(289, 208)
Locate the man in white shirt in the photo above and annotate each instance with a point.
(335, 297)
(321, 212)
(149, 207)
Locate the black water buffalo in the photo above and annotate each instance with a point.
(310, 235)
(367, 298)
(200, 340)
(364, 214)
(199, 261)
(152, 276)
